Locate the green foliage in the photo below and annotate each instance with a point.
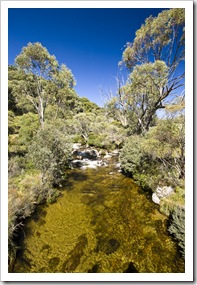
(14, 78)
(21, 130)
(157, 157)
(46, 80)
(161, 37)
(16, 166)
(143, 92)
(137, 101)
(29, 125)
(50, 152)
(24, 193)
(177, 227)
(11, 123)
(131, 155)
(35, 59)
(108, 134)
(83, 124)
(97, 130)
(153, 59)
(63, 78)
(166, 143)
(96, 140)
(87, 105)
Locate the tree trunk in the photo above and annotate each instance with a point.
(41, 112)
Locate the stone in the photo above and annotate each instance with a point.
(76, 163)
(108, 155)
(161, 192)
(155, 198)
(76, 146)
(118, 165)
(164, 191)
(116, 151)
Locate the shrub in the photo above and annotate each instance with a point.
(50, 152)
(131, 155)
(158, 156)
(24, 192)
(177, 227)
(16, 166)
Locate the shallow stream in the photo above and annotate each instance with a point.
(103, 222)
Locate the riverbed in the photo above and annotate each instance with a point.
(102, 223)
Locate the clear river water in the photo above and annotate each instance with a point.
(102, 222)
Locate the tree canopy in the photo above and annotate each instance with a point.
(44, 80)
(155, 60)
(160, 38)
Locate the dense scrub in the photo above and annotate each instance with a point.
(158, 156)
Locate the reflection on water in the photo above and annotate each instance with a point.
(101, 223)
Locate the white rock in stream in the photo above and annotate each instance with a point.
(86, 163)
(155, 198)
(107, 156)
(118, 165)
(161, 192)
(76, 146)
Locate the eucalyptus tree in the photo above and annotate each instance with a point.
(143, 93)
(155, 60)
(160, 38)
(43, 78)
(82, 124)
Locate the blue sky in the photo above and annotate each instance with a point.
(89, 41)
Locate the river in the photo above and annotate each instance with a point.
(102, 222)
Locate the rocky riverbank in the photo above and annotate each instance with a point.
(92, 158)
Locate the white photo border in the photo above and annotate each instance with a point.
(188, 275)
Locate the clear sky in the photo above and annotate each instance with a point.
(89, 41)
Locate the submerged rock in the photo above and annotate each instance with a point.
(107, 246)
(130, 268)
(75, 255)
(94, 269)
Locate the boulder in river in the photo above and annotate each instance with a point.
(155, 199)
(161, 192)
(76, 146)
(87, 153)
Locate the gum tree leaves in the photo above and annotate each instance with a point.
(45, 78)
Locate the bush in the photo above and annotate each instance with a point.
(158, 156)
(24, 193)
(131, 155)
(50, 152)
(177, 227)
(29, 125)
(16, 166)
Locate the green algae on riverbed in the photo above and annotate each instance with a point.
(101, 223)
